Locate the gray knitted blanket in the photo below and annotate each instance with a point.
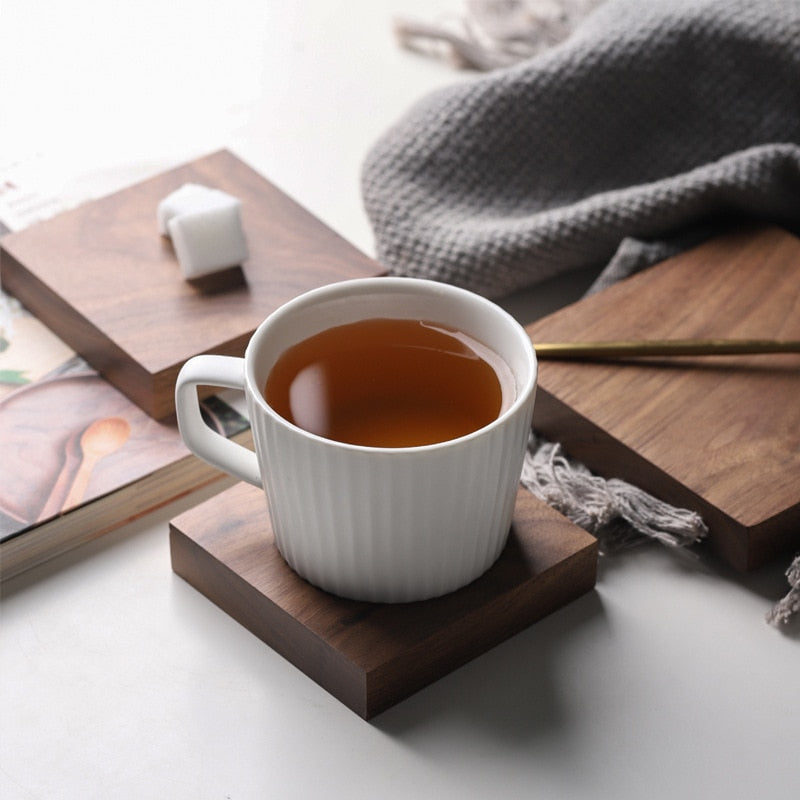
(653, 125)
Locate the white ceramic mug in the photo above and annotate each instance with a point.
(372, 523)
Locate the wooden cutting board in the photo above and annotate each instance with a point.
(372, 655)
(719, 435)
(103, 278)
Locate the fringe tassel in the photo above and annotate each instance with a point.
(617, 513)
(621, 515)
(786, 608)
(495, 33)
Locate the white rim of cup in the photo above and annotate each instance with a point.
(365, 286)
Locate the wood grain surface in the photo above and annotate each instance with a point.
(717, 434)
(103, 278)
(370, 656)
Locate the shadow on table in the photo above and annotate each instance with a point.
(768, 583)
(513, 690)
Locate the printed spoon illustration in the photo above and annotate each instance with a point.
(100, 439)
(55, 500)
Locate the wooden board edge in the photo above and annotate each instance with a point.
(267, 621)
(105, 356)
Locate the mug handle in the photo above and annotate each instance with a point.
(226, 372)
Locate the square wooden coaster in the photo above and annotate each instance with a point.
(371, 655)
(103, 278)
(719, 435)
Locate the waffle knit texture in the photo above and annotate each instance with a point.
(654, 125)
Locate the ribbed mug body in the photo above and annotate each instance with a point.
(391, 524)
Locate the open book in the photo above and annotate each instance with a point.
(77, 458)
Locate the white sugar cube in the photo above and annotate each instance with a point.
(189, 197)
(205, 226)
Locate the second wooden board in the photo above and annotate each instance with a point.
(103, 279)
(719, 434)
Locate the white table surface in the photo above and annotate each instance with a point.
(117, 679)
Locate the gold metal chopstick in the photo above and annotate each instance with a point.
(663, 347)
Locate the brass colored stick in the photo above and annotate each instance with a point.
(663, 347)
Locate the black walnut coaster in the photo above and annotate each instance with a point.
(371, 655)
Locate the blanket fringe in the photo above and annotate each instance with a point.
(495, 33)
(787, 607)
(621, 515)
(616, 512)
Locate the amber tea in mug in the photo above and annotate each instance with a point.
(390, 383)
